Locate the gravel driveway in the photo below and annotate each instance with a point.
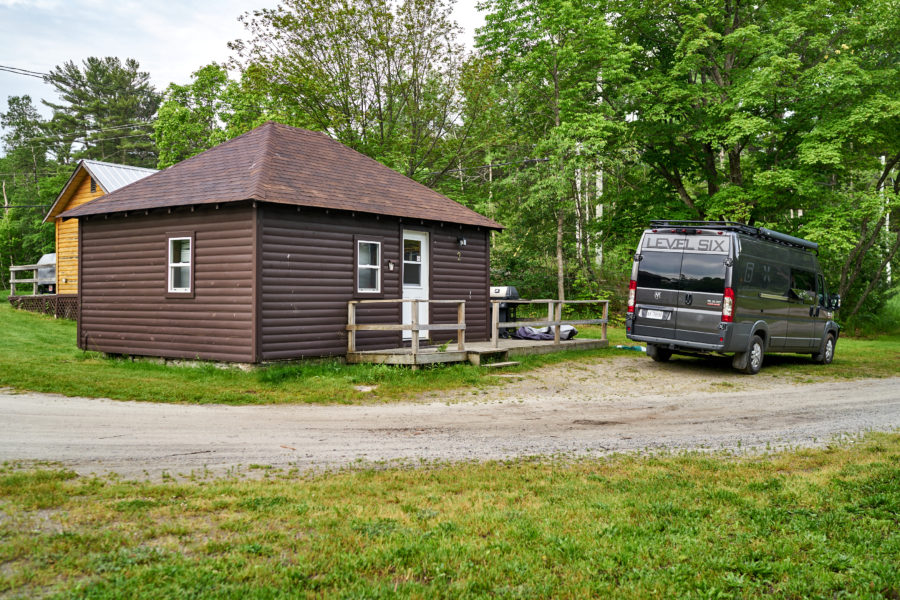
(620, 404)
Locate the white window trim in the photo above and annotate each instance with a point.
(188, 264)
(376, 267)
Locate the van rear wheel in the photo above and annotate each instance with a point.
(754, 356)
(658, 354)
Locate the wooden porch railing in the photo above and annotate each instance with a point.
(554, 317)
(32, 280)
(415, 327)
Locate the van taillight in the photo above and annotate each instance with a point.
(632, 286)
(728, 306)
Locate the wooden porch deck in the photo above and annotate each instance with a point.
(477, 353)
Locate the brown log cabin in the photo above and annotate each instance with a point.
(251, 251)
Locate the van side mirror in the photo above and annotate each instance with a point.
(834, 301)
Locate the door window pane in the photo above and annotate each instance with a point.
(412, 274)
(412, 262)
(412, 251)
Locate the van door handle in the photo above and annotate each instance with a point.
(688, 299)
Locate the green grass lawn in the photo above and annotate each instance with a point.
(39, 353)
(806, 524)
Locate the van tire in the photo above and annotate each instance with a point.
(658, 354)
(754, 358)
(826, 352)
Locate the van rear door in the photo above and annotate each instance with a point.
(702, 291)
(658, 280)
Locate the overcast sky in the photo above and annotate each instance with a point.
(170, 39)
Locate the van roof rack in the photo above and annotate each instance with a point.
(760, 232)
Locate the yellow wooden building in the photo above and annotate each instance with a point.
(91, 180)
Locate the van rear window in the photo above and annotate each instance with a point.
(677, 271)
(659, 270)
(703, 273)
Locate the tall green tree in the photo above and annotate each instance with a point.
(28, 184)
(762, 112)
(24, 142)
(382, 78)
(209, 110)
(105, 111)
(548, 63)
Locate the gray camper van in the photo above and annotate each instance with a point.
(721, 287)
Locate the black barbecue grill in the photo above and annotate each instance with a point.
(507, 309)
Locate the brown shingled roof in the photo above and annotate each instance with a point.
(286, 165)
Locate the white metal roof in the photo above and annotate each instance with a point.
(112, 176)
(109, 176)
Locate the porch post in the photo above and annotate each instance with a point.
(351, 322)
(495, 324)
(461, 320)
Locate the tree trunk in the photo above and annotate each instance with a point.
(887, 260)
(734, 165)
(560, 266)
(709, 166)
(853, 265)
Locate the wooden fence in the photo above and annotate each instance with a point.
(554, 317)
(32, 280)
(415, 327)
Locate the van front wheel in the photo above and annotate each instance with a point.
(658, 354)
(754, 356)
(826, 353)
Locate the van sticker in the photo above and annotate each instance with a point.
(714, 303)
(712, 245)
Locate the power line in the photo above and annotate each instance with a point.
(26, 72)
(60, 137)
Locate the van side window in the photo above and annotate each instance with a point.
(779, 280)
(821, 290)
(803, 285)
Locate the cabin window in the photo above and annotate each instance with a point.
(93, 186)
(368, 267)
(180, 265)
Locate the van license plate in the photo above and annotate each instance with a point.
(655, 314)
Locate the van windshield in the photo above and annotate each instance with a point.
(687, 272)
(703, 273)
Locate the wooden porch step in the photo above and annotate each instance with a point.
(498, 365)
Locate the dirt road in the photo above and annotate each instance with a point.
(614, 405)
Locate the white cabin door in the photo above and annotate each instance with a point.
(416, 269)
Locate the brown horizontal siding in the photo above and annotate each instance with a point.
(307, 278)
(460, 273)
(124, 308)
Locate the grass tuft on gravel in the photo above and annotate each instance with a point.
(38, 353)
(811, 523)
